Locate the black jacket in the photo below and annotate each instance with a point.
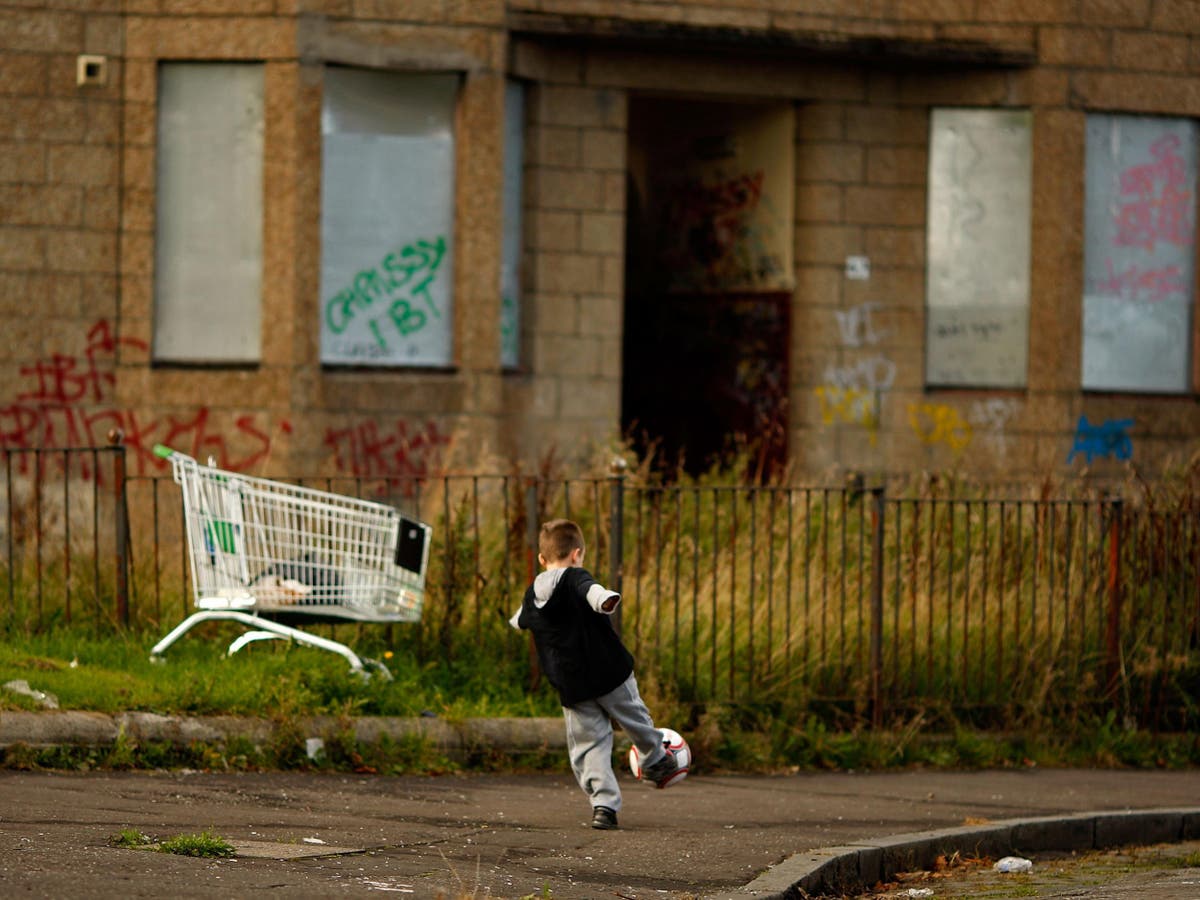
(578, 650)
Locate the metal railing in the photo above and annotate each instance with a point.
(861, 601)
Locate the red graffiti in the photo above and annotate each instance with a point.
(1153, 216)
(367, 451)
(61, 380)
(733, 196)
(197, 439)
(68, 404)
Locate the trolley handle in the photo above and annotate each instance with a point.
(162, 451)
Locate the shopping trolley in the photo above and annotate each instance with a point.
(272, 555)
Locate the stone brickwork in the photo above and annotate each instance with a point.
(77, 223)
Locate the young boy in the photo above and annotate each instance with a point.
(582, 656)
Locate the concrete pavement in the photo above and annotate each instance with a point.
(727, 836)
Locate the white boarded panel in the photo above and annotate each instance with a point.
(1139, 253)
(977, 325)
(387, 210)
(208, 222)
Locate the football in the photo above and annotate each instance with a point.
(675, 745)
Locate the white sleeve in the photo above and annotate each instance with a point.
(513, 621)
(598, 595)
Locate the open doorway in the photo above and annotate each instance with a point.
(708, 282)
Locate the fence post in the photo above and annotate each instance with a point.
(1112, 634)
(121, 526)
(616, 532)
(877, 509)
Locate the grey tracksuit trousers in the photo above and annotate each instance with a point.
(590, 740)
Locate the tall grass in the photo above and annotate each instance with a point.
(971, 603)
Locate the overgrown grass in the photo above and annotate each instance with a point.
(1038, 612)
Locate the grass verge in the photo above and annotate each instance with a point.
(284, 685)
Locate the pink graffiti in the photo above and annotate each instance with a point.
(1133, 283)
(1152, 215)
(400, 451)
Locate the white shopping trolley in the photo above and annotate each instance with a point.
(269, 555)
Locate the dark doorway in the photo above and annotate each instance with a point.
(707, 293)
(706, 379)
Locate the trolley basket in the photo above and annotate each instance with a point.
(270, 554)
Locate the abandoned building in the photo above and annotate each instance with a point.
(386, 239)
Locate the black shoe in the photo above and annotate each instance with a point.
(604, 818)
(659, 773)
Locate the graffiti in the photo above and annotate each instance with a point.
(873, 374)
(397, 284)
(69, 404)
(510, 338)
(719, 200)
(937, 423)
(400, 451)
(1150, 285)
(967, 210)
(715, 239)
(1161, 206)
(850, 393)
(855, 326)
(982, 330)
(850, 405)
(65, 380)
(1110, 439)
(991, 417)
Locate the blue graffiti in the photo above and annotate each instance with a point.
(1110, 439)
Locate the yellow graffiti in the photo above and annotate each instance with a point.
(937, 423)
(852, 406)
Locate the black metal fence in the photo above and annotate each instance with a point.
(873, 602)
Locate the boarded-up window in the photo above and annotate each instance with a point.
(977, 307)
(208, 213)
(1139, 253)
(387, 211)
(510, 259)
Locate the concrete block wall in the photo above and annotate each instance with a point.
(77, 172)
(862, 144)
(60, 168)
(569, 400)
(77, 225)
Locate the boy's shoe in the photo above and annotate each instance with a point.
(604, 818)
(661, 772)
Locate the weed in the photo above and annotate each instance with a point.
(205, 844)
(130, 838)
(123, 754)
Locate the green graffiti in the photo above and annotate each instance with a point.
(406, 319)
(400, 278)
